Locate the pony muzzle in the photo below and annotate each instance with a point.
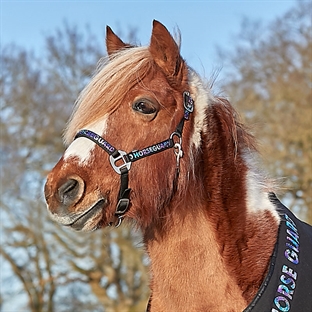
(66, 195)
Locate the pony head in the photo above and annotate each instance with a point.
(136, 99)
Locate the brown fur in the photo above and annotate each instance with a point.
(208, 253)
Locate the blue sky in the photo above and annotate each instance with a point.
(203, 24)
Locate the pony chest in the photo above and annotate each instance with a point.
(189, 275)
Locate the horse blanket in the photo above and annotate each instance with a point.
(288, 284)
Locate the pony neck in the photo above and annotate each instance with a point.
(187, 269)
(211, 239)
(203, 256)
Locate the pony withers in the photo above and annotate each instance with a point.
(148, 142)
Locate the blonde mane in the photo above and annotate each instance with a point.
(116, 75)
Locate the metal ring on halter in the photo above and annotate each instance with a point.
(178, 150)
(117, 223)
(177, 147)
(175, 133)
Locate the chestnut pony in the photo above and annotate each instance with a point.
(148, 142)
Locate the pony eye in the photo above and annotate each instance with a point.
(144, 107)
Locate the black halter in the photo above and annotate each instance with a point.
(121, 161)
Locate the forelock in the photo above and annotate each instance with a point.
(114, 77)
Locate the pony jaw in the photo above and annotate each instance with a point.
(87, 220)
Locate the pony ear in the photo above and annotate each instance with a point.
(113, 42)
(165, 51)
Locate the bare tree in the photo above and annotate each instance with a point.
(52, 263)
(270, 81)
(24, 245)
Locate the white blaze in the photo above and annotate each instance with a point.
(82, 148)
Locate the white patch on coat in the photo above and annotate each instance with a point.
(82, 148)
(258, 188)
(202, 98)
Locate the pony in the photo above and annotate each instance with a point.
(149, 143)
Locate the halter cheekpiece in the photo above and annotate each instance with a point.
(121, 161)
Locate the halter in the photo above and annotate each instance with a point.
(121, 161)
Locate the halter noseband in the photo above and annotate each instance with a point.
(126, 159)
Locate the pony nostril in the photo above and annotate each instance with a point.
(71, 191)
(68, 189)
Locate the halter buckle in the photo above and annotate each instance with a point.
(120, 157)
(122, 206)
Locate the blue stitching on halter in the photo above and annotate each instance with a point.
(108, 148)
